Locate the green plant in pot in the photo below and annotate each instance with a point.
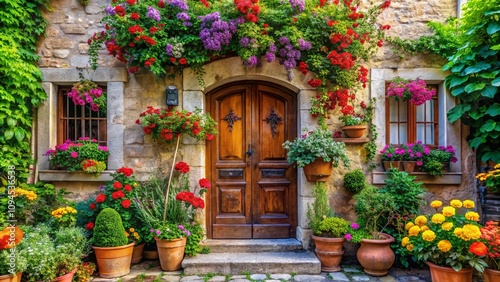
(314, 151)
(111, 246)
(374, 209)
(329, 230)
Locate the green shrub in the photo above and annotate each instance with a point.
(334, 227)
(320, 207)
(433, 167)
(374, 208)
(354, 181)
(109, 230)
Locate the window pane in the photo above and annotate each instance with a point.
(429, 130)
(393, 110)
(420, 113)
(403, 131)
(403, 111)
(420, 132)
(429, 113)
(394, 134)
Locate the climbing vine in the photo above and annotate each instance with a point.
(21, 24)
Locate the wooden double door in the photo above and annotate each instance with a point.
(253, 192)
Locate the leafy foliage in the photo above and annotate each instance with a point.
(108, 230)
(374, 209)
(354, 181)
(21, 24)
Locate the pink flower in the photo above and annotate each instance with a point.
(74, 155)
(348, 237)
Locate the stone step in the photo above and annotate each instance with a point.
(303, 262)
(252, 246)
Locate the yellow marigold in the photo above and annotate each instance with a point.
(469, 232)
(474, 216)
(423, 228)
(447, 226)
(438, 218)
(405, 241)
(421, 220)
(456, 203)
(448, 211)
(409, 225)
(444, 246)
(469, 204)
(409, 247)
(428, 235)
(457, 231)
(436, 204)
(481, 175)
(131, 229)
(30, 195)
(414, 230)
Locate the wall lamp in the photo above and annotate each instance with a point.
(172, 96)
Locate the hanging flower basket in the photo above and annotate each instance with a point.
(413, 90)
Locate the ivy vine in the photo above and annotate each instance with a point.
(21, 24)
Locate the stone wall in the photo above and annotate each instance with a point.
(65, 47)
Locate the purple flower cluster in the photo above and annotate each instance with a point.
(184, 17)
(288, 54)
(185, 231)
(304, 45)
(110, 10)
(153, 14)
(244, 42)
(252, 61)
(181, 4)
(215, 32)
(298, 4)
(86, 97)
(270, 55)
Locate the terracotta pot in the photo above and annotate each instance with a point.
(376, 255)
(66, 277)
(114, 262)
(171, 253)
(11, 278)
(137, 253)
(410, 166)
(448, 274)
(354, 131)
(150, 254)
(329, 252)
(392, 164)
(318, 170)
(491, 275)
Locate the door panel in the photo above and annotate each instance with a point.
(254, 191)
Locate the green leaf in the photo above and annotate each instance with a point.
(496, 82)
(19, 134)
(495, 47)
(489, 74)
(493, 110)
(493, 27)
(8, 134)
(456, 112)
(489, 91)
(471, 87)
(457, 91)
(476, 114)
(457, 80)
(11, 122)
(458, 68)
(477, 68)
(448, 66)
(488, 126)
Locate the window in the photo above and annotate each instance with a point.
(76, 121)
(407, 123)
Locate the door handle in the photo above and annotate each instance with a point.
(250, 151)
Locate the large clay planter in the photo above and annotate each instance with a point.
(66, 277)
(376, 255)
(354, 131)
(329, 252)
(137, 253)
(114, 262)
(9, 278)
(318, 170)
(448, 274)
(171, 253)
(491, 275)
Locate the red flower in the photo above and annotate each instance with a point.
(314, 82)
(118, 194)
(385, 5)
(479, 249)
(135, 29)
(135, 16)
(167, 134)
(117, 185)
(204, 183)
(128, 187)
(92, 206)
(100, 198)
(172, 60)
(89, 226)
(210, 137)
(205, 3)
(131, 2)
(185, 196)
(380, 43)
(182, 167)
(133, 69)
(126, 203)
(120, 11)
(125, 171)
(161, 3)
(196, 130)
(182, 61)
(198, 203)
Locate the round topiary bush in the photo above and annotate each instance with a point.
(354, 181)
(109, 230)
(333, 227)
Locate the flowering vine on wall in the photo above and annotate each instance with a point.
(329, 38)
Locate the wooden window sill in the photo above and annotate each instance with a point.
(379, 177)
(64, 175)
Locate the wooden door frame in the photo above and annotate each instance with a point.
(209, 155)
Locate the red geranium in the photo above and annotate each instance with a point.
(479, 249)
(117, 194)
(198, 203)
(182, 167)
(126, 203)
(185, 196)
(128, 187)
(92, 206)
(204, 183)
(89, 226)
(100, 198)
(117, 185)
(125, 171)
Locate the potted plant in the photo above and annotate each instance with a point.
(355, 124)
(317, 152)
(111, 246)
(11, 271)
(490, 237)
(328, 230)
(375, 209)
(88, 93)
(354, 181)
(443, 240)
(413, 155)
(413, 90)
(85, 154)
(391, 157)
(438, 160)
(69, 245)
(491, 179)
